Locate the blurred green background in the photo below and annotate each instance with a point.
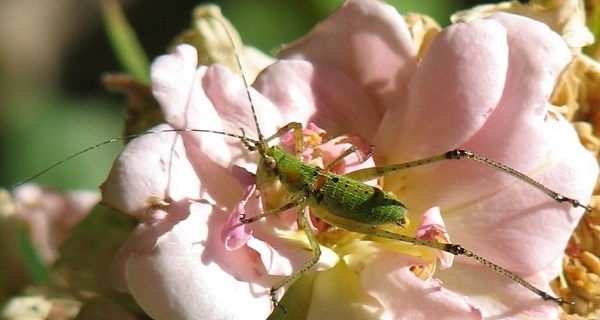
(52, 54)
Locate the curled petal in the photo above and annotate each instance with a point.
(236, 234)
(189, 273)
(433, 228)
(151, 166)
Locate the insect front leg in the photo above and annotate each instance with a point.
(297, 127)
(314, 245)
(271, 212)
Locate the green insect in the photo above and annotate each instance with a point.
(345, 201)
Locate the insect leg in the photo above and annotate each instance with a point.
(297, 127)
(456, 154)
(362, 156)
(316, 250)
(271, 212)
(454, 249)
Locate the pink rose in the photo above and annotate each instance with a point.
(483, 86)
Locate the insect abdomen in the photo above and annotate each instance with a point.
(357, 201)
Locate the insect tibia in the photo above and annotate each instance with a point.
(316, 250)
(364, 156)
(559, 301)
(459, 250)
(296, 127)
(457, 154)
(271, 212)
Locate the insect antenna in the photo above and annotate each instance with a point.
(250, 143)
(262, 145)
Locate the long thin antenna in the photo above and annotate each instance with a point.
(243, 138)
(261, 138)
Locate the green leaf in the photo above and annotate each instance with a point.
(125, 42)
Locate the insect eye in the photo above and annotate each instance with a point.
(270, 163)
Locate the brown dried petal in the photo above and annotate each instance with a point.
(217, 41)
(422, 29)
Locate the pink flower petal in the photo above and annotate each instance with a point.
(283, 251)
(236, 234)
(498, 297)
(511, 139)
(369, 42)
(308, 92)
(189, 273)
(433, 228)
(173, 78)
(432, 106)
(151, 166)
(50, 215)
(403, 295)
